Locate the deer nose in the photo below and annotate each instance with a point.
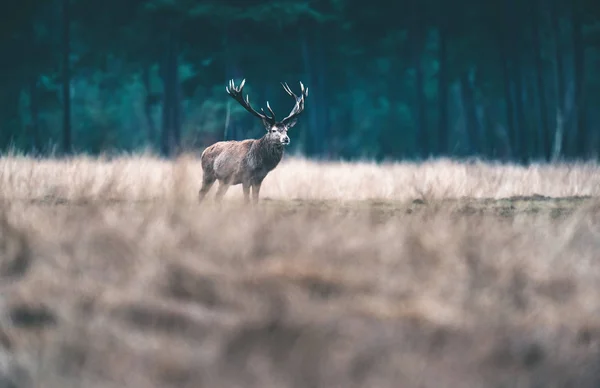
(285, 140)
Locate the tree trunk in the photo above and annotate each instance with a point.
(170, 139)
(312, 135)
(508, 100)
(165, 143)
(539, 75)
(484, 127)
(148, 105)
(176, 96)
(418, 40)
(579, 69)
(321, 87)
(442, 145)
(531, 108)
(514, 52)
(506, 41)
(522, 130)
(232, 127)
(470, 114)
(35, 115)
(560, 82)
(66, 75)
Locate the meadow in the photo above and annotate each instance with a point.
(433, 274)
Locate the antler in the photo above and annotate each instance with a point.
(236, 94)
(299, 107)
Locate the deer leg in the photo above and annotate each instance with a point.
(207, 183)
(246, 187)
(255, 191)
(223, 187)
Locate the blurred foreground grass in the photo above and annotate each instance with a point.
(105, 285)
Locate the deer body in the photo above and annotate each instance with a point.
(248, 162)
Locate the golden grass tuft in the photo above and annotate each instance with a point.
(356, 275)
(146, 178)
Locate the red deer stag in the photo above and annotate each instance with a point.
(249, 161)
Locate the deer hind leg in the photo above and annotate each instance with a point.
(207, 182)
(223, 187)
(246, 187)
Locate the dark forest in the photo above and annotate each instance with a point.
(503, 80)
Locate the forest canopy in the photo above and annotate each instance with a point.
(411, 79)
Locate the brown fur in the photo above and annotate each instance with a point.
(248, 162)
(244, 162)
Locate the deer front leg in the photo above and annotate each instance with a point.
(256, 191)
(246, 187)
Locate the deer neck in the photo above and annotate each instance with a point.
(268, 152)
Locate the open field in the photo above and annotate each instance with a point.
(142, 178)
(440, 274)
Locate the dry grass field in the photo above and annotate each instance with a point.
(440, 274)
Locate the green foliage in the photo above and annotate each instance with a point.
(273, 11)
(360, 62)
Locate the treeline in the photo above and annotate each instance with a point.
(503, 79)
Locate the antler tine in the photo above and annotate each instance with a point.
(291, 93)
(237, 94)
(288, 90)
(304, 91)
(299, 106)
(270, 110)
(265, 113)
(272, 118)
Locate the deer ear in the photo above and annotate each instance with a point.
(266, 124)
(292, 122)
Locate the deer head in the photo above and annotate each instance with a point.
(276, 130)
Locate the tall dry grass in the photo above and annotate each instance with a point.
(142, 178)
(112, 276)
